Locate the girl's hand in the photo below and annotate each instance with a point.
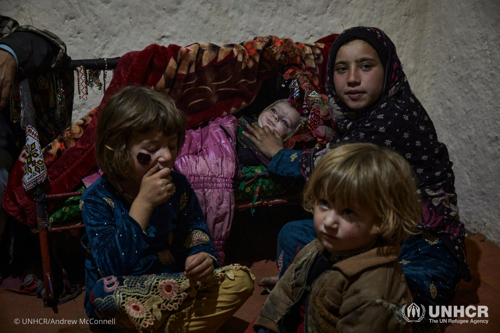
(269, 143)
(156, 186)
(199, 267)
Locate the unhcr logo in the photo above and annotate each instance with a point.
(451, 314)
(414, 313)
(458, 314)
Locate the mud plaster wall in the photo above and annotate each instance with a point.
(449, 49)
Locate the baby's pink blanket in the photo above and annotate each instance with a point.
(208, 160)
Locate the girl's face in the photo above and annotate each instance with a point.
(358, 74)
(343, 228)
(152, 148)
(282, 117)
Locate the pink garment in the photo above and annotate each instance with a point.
(208, 160)
(91, 178)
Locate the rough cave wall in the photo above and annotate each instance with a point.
(450, 52)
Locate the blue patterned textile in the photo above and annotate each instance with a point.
(120, 251)
(286, 163)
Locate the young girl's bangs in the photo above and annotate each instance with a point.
(344, 184)
(349, 174)
(155, 114)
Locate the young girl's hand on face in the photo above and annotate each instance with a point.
(156, 186)
(199, 267)
(267, 141)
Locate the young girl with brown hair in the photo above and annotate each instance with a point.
(151, 264)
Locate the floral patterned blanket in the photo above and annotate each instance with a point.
(205, 80)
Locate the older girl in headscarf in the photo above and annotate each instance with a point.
(371, 101)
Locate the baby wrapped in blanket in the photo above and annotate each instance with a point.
(214, 155)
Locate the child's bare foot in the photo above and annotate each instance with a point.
(269, 282)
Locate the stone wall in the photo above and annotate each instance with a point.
(450, 52)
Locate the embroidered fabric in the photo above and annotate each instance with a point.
(137, 302)
(35, 171)
(196, 237)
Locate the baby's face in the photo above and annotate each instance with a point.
(282, 117)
